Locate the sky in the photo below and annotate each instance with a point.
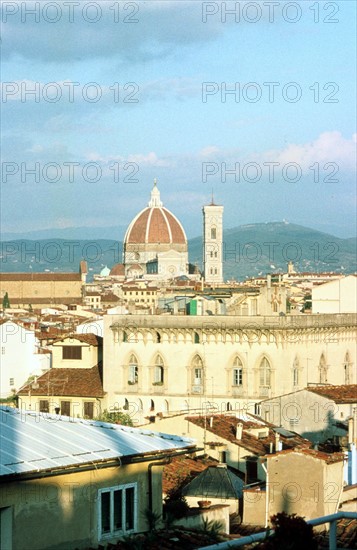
(254, 102)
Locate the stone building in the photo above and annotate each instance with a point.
(166, 363)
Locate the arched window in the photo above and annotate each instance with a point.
(237, 372)
(265, 373)
(158, 337)
(196, 338)
(126, 405)
(152, 405)
(229, 406)
(213, 233)
(296, 372)
(322, 370)
(347, 368)
(133, 371)
(197, 371)
(159, 370)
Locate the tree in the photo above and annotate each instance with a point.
(5, 301)
(116, 417)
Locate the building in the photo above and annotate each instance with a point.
(319, 413)
(213, 243)
(69, 483)
(75, 392)
(155, 243)
(20, 357)
(168, 363)
(304, 482)
(39, 290)
(337, 296)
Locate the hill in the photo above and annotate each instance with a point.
(249, 250)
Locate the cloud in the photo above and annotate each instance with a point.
(328, 147)
(133, 34)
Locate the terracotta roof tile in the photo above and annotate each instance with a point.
(225, 427)
(40, 276)
(339, 394)
(155, 225)
(91, 339)
(70, 382)
(182, 470)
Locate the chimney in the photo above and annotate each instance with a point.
(350, 430)
(239, 431)
(268, 281)
(271, 447)
(211, 422)
(222, 456)
(277, 442)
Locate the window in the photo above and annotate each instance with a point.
(264, 373)
(66, 408)
(323, 370)
(12, 381)
(88, 409)
(347, 368)
(196, 338)
(296, 372)
(237, 372)
(213, 233)
(44, 406)
(117, 510)
(159, 371)
(71, 352)
(3, 350)
(197, 371)
(133, 374)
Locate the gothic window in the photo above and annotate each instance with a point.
(296, 372)
(322, 370)
(237, 372)
(197, 370)
(265, 373)
(196, 338)
(347, 368)
(213, 233)
(159, 370)
(133, 372)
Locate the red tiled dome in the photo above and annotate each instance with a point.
(155, 224)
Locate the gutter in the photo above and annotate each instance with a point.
(92, 465)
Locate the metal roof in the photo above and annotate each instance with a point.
(32, 441)
(217, 482)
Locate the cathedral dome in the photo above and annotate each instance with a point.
(155, 225)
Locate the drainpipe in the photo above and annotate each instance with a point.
(150, 467)
(266, 495)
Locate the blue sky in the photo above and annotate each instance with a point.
(171, 62)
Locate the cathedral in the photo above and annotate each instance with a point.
(155, 244)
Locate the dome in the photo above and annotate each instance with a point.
(155, 225)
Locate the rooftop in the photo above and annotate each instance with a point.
(36, 442)
(69, 382)
(225, 427)
(339, 394)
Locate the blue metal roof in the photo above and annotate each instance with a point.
(32, 441)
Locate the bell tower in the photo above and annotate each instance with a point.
(213, 243)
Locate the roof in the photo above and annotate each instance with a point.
(225, 427)
(40, 276)
(339, 394)
(329, 458)
(117, 270)
(33, 442)
(89, 338)
(181, 470)
(155, 224)
(215, 482)
(69, 382)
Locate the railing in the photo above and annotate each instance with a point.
(332, 519)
